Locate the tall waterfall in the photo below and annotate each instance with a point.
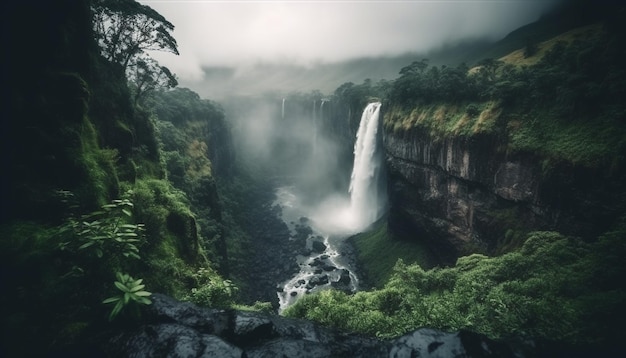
(282, 110)
(367, 196)
(314, 140)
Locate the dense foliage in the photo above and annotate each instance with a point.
(562, 101)
(580, 74)
(554, 288)
(90, 222)
(379, 249)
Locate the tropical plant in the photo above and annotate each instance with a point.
(108, 230)
(212, 291)
(131, 292)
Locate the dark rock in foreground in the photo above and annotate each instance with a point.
(181, 329)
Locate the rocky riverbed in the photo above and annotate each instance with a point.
(288, 258)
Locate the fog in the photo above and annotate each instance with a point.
(272, 63)
(289, 144)
(249, 46)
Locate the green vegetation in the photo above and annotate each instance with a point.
(212, 290)
(131, 294)
(90, 222)
(113, 176)
(378, 252)
(565, 105)
(559, 100)
(553, 288)
(107, 231)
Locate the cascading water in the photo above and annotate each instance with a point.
(282, 109)
(366, 202)
(326, 263)
(315, 120)
(315, 127)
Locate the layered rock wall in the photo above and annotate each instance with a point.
(466, 193)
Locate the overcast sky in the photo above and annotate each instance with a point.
(242, 33)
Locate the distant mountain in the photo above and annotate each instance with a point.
(566, 16)
(222, 82)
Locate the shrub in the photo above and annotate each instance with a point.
(554, 288)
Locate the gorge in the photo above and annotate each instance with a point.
(456, 210)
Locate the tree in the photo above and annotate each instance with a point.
(416, 67)
(488, 69)
(147, 75)
(531, 47)
(126, 29)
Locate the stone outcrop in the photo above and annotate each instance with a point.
(460, 193)
(176, 329)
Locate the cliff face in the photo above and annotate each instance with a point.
(465, 193)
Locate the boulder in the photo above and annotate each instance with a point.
(318, 246)
(178, 329)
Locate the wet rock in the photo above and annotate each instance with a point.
(316, 262)
(344, 278)
(318, 246)
(251, 327)
(328, 267)
(426, 342)
(171, 340)
(165, 308)
(175, 329)
(290, 348)
(318, 280)
(343, 282)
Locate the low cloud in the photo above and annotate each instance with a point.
(237, 34)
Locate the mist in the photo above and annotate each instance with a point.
(289, 142)
(257, 58)
(253, 46)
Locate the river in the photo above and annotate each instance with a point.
(329, 261)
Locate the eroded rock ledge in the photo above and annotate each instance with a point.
(181, 329)
(460, 193)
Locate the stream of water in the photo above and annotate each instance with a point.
(324, 227)
(328, 262)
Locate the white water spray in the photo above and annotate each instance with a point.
(365, 203)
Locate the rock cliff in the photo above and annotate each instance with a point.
(467, 193)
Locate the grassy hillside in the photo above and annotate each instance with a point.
(564, 17)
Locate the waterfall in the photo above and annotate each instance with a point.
(314, 140)
(282, 110)
(366, 197)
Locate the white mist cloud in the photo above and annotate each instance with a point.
(238, 33)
